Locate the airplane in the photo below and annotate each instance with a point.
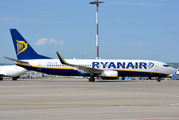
(104, 68)
(13, 71)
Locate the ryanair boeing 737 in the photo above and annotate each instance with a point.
(104, 68)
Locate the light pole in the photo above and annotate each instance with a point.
(97, 37)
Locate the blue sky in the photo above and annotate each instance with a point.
(128, 29)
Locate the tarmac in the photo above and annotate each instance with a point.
(78, 99)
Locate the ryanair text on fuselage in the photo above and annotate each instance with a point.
(124, 65)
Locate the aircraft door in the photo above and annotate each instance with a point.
(39, 65)
(156, 67)
(16, 68)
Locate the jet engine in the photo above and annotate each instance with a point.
(109, 74)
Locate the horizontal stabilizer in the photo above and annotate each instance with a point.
(18, 61)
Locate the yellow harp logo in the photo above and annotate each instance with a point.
(21, 46)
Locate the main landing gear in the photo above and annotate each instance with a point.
(15, 78)
(91, 79)
(158, 79)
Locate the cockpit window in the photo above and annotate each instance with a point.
(166, 65)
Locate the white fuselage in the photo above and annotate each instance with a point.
(123, 67)
(11, 71)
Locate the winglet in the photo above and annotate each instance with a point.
(61, 59)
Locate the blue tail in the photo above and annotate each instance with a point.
(23, 49)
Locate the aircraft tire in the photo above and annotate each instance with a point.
(158, 80)
(1, 78)
(91, 79)
(14, 78)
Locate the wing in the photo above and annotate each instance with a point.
(80, 68)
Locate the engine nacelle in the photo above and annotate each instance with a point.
(109, 74)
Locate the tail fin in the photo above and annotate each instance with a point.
(23, 49)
